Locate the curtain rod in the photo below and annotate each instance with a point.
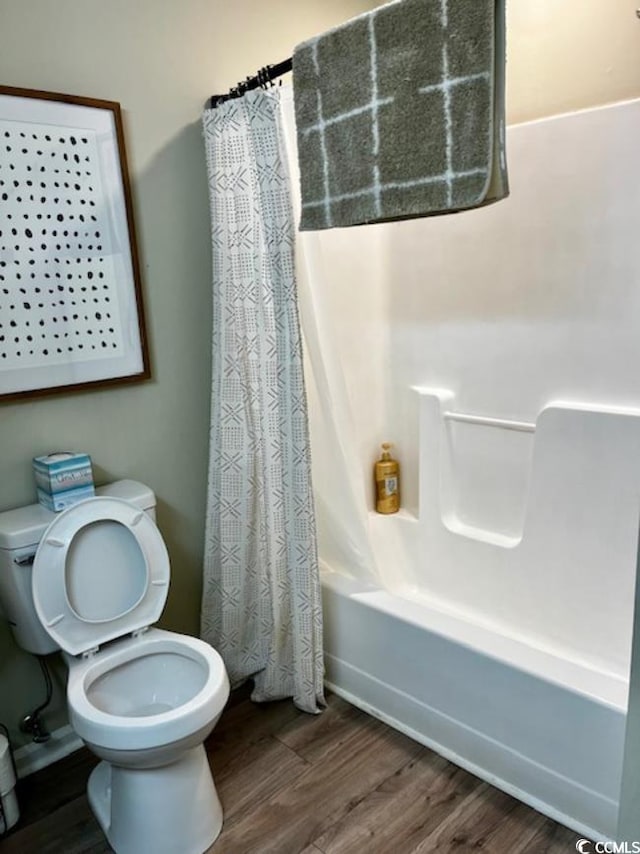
(263, 78)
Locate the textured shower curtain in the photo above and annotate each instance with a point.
(261, 597)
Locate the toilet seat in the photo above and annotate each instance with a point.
(101, 571)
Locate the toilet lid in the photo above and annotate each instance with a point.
(101, 571)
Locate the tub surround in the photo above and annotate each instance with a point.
(495, 620)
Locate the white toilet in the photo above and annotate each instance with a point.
(141, 698)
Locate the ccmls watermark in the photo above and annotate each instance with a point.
(585, 846)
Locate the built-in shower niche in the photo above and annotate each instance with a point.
(535, 532)
(484, 476)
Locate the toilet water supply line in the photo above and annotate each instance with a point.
(33, 723)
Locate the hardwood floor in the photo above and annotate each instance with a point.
(337, 783)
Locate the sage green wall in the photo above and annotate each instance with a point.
(160, 59)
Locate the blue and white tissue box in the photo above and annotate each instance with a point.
(63, 479)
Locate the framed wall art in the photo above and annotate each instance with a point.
(71, 312)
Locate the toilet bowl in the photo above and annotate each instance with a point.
(144, 699)
(141, 698)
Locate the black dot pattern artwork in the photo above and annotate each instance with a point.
(58, 295)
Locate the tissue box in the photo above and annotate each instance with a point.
(63, 479)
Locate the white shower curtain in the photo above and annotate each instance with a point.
(261, 597)
(340, 489)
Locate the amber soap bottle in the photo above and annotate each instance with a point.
(387, 478)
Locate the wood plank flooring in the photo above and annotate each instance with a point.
(337, 783)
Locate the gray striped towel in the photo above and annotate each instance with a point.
(400, 113)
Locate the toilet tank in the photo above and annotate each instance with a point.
(20, 532)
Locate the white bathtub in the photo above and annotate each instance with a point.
(548, 731)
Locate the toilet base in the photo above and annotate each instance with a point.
(164, 810)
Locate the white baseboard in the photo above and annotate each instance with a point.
(32, 757)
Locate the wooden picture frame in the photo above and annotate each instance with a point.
(71, 308)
